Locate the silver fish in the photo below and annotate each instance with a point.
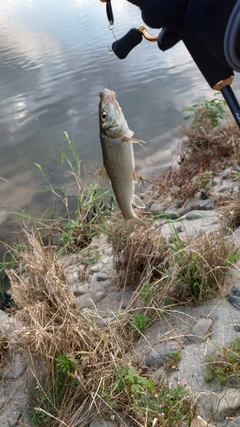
(118, 157)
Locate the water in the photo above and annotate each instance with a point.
(54, 61)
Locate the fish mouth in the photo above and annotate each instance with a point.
(108, 95)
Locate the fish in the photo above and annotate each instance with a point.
(118, 157)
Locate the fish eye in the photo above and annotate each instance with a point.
(104, 115)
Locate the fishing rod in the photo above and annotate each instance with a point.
(122, 47)
(210, 69)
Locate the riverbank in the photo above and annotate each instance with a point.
(121, 326)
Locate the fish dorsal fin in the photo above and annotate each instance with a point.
(104, 178)
(138, 202)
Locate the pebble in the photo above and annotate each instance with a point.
(225, 404)
(126, 299)
(101, 277)
(234, 298)
(110, 251)
(194, 215)
(198, 332)
(160, 354)
(236, 327)
(96, 268)
(73, 277)
(102, 423)
(80, 289)
(99, 296)
(15, 365)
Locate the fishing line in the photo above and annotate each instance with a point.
(110, 18)
(111, 60)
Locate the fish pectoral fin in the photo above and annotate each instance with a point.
(134, 175)
(138, 202)
(104, 178)
(134, 140)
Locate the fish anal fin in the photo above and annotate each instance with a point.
(138, 202)
(104, 178)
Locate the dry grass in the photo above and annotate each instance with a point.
(202, 151)
(138, 256)
(197, 270)
(53, 325)
(187, 271)
(4, 344)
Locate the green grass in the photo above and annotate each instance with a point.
(224, 366)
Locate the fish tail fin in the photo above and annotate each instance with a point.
(135, 220)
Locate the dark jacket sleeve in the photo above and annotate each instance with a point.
(201, 25)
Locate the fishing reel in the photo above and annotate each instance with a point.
(216, 68)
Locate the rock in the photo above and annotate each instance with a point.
(99, 296)
(126, 299)
(236, 327)
(15, 365)
(234, 298)
(198, 332)
(80, 289)
(96, 268)
(109, 251)
(99, 422)
(101, 277)
(4, 318)
(159, 354)
(226, 403)
(199, 422)
(194, 215)
(72, 277)
(3, 399)
(194, 204)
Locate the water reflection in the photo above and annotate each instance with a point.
(54, 61)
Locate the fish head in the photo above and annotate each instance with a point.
(111, 119)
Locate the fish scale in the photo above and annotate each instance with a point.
(118, 157)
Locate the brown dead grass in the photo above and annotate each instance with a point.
(138, 256)
(4, 344)
(187, 271)
(197, 271)
(202, 151)
(54, 325)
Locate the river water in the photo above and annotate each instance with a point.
(54, 61)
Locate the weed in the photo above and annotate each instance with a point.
(95, 257)
(140, 322)
(211, 110)
(202, 181)
(93, 203)
(196, 266)
(202, 150)
(127, 379)
(176, 356)
(224, 366)
(147, 293)
(65, 364)
(166, 403)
